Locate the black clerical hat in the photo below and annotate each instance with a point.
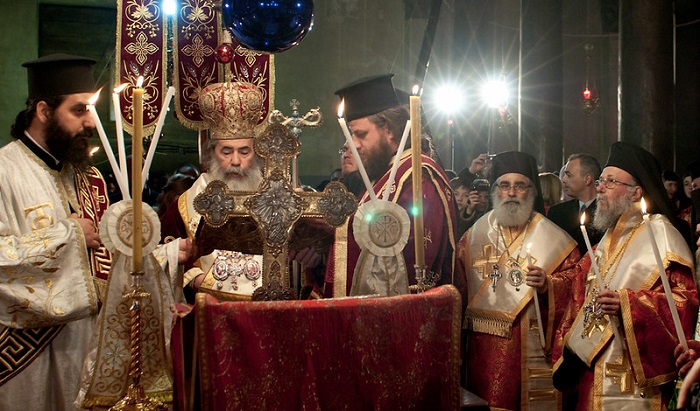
(644, 167)
(368, 96)
(521, 163)
(59, 74)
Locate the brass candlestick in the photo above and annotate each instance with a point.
(424, 281)
(135, 398)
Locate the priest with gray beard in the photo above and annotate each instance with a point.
(616, 345)
(511, 259)
(232, 110)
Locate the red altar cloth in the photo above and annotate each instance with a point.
(385, 353)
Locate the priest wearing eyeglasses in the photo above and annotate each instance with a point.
(632, 366)
(513, 258)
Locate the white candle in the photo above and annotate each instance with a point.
(537, 300)
(395, 166)
(136, 154)
(105, 143)
(121, 151)
(353, 150)
(664, 279)
(156, 135)
(417, 176)
(599, 279)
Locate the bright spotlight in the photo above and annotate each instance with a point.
(495, 93)
(448, 99)
(169, 7)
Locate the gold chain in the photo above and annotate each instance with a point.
(503, 237)
(614, 260)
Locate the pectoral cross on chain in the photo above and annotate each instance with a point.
(494, 276)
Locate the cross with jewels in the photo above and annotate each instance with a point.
(312, 118)
(276, 207)
(494, 276)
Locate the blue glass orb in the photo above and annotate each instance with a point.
(268, 25)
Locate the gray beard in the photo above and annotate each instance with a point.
(511, 214)
(249, 180)
(604, 219)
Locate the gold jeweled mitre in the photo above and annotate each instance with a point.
(232, 110)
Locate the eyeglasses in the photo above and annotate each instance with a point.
(343, 150)
(519, 187)
(611, 183)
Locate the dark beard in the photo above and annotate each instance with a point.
(377, 161)
(71, 149)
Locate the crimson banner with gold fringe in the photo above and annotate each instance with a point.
(195, 39)
(197, 34)
(141, 51)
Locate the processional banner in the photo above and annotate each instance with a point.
(141, 51)
(197, 36)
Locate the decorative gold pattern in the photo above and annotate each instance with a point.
(233, 109)
(485, 260)
(20, 346)
(198, 51)
(619, 371)
(199, 18)
(276, 208)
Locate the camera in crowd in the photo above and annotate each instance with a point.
(480, 184)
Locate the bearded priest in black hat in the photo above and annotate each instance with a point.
(53, 265)
(511, 259)
(376, 119)
(632, 367)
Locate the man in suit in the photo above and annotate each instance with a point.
(580, 173)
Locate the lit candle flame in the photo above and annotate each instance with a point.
(583, 218)
(644, 207)
(139, 82)
(527, 249)
(94, 150)
(415, 90)
(94, 97)
(341, 108)
(119, 88)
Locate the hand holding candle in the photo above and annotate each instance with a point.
(537, 300)
(664, 278)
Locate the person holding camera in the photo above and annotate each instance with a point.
(472, 200)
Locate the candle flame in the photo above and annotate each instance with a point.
(92, 100)
(415, 90)
(644, 206)
(120, 87)
(528, 247)
(94, 150)
(341, 108)
(583, 218)
(139, 82)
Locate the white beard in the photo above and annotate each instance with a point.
(511, 212)
(247, 180)
(606, 217)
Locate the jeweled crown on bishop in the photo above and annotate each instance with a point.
(232, 109)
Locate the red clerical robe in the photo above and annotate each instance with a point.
(439, 228)
(639, 373)
(506, 363)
